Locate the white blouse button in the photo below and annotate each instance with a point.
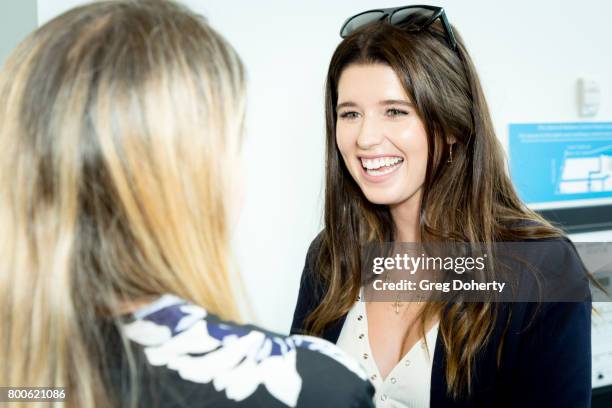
(383, 397)
(373, 377)
(393, 380)
(361, 336)
(407, 362)
(365, 356)
(359, 317)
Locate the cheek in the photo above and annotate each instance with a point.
(344, 142)
(414, 145)
(421, 152)
(421, 156)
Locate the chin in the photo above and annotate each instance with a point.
(390, 195)
(383, 197)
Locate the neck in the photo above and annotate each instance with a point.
(406, 219)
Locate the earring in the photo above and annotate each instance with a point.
(450, 159)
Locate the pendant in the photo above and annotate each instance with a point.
(397, 306)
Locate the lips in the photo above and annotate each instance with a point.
(376, 168)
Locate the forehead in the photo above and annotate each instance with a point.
(369, 82)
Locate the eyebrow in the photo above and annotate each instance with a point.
(385, 102)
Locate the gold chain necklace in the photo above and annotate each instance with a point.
(396, 304)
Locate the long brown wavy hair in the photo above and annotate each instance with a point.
(470, 199)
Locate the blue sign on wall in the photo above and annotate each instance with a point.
(552, 164)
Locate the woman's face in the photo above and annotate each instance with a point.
(382, 140)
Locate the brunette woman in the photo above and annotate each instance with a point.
(412, 157)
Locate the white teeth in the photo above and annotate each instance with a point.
(385, 170)
(372, 164)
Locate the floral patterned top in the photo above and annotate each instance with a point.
(187, 357)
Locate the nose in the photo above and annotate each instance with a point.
(370, 134)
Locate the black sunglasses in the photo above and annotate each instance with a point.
(411, 18)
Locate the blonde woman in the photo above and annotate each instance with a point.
(120, 125)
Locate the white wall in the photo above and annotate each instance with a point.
(529, 55)
(17, 19)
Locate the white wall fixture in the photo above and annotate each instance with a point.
(589, 97)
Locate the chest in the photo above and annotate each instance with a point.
(392, 332)
(400, 373)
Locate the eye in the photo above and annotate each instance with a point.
(395, 112)
(348, 115)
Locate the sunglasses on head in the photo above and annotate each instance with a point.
(410, 18)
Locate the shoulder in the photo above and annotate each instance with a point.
(314, 249)
(244, 363)
(553, 301)
(312, 287)
(546, 269)
(311, 284)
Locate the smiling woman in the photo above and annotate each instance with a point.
(412, 157)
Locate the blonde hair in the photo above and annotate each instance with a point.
(119, 122)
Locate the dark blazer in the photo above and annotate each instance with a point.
(546, 354)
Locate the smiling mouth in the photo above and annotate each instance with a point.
(381, 165)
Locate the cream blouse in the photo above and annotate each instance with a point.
(408, 383)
